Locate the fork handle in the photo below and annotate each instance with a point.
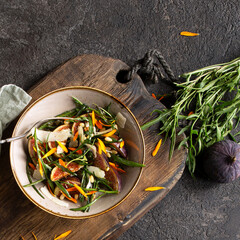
(12, 138)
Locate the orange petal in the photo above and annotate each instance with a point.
(102, 146)
(49, 189)
(40, 167)
(63, 235)
(62, 147)
(99, 125)
(71, 199)
(115, 167)
(106, 125)
(34, 236)
(72, 189)
(191, 113)
(155, 151)
(93, 118)
(151, 189)
(110, 133)
(154, 96)
(189, 34)
(121, 144)
(80, 190)
(50, 152)
(61, 162)
(91, 192)
(32, 166)
(75, 136)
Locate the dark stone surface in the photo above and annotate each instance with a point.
(36, 36)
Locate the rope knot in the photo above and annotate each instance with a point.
(148, 68)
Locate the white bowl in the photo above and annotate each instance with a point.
(55, 103)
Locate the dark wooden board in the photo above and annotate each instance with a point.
(20, 217)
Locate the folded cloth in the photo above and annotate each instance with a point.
(13, 100)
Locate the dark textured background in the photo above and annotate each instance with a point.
(36, 36)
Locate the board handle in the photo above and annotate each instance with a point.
(148, 68)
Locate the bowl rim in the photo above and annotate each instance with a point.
(45, 96)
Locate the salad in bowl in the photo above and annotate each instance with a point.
(83, 163)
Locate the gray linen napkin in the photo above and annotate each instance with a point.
(13, 100)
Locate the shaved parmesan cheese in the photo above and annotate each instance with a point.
(94, 130)
(47, 194)
(96, 171)
(59, 150)
(60, 136)
(121, 120)
(37, 174)
(89, 185)
(104, 132)
(81, 134)
(52, 136)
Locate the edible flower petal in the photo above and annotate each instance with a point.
(75, 136)
(110, 133)
(93, 118)
(34, 236)
(63, 235)
(151, 189)
(49, 153)
(99, 125)
(69, 198)
(121, 144)
(189, 34)
(101, 146)
(155, 151)
(80, 190)
(32, 166)
(62, 147)
(40, 167)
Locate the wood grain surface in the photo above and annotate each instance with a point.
(20, 217)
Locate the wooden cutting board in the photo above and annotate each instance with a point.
(21, 217)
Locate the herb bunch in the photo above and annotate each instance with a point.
(201, 110)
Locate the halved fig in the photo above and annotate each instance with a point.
(52, 144)
(101, 161)
(32, 153)
(71, 180)
(116, 145)
(57, 173)
(75, 127)
(115, 181)
(122, 151)
(76, 124)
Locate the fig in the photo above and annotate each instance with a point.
(116, 145)
(72, 180)
(57, 173)
(101, 161)
(114, 179)
(75, 127)
(122, 151)
(64, 183)
(32, 152)
(221, 161)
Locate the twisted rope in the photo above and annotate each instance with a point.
(147, 66)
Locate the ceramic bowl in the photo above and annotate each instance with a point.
(55, 103)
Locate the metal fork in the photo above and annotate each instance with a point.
(34, 125)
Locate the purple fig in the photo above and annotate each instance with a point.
(114, 179)
(222, 161)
